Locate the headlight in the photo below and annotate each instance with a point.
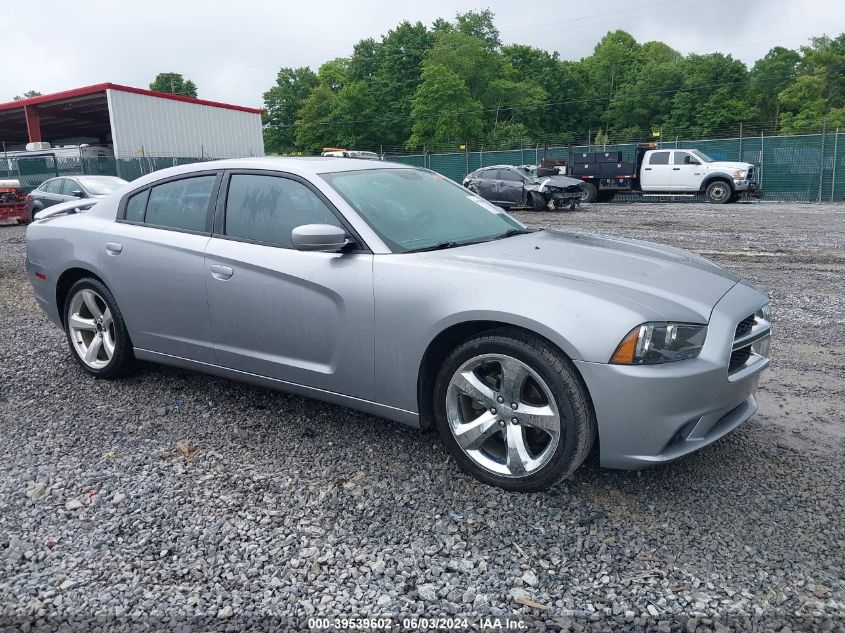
(739, 174)
(764, 313)
(652, 343)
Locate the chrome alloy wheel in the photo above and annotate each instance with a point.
(91, 328)
(503, 415)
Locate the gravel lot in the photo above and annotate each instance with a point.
(177, 500)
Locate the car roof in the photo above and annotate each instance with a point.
(299, 165)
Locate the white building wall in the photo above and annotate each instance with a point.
(153, 126)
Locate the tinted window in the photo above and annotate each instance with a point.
(683, 158)
(180, 204)
(69, 186)
(136, 206)
(511, 176)
(268, 208)
(659, 158)
(490, 174)
(54, 186)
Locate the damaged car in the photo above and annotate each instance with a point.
(525, 187)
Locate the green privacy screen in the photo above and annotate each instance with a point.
(808, 168)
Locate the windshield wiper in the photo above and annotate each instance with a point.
(511, 233)
(438, 247)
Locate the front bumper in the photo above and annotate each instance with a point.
(650, 414)
(748, 188)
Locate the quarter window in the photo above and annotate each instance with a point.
(659, 158)
(268, 208)
(180, 204)
(136, 206)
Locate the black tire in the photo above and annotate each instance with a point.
(32, 213)
(718, 192)
(605, 196)
(123, 358)
(590, 193)
(576, 412)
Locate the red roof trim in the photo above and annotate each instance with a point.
(88, 90)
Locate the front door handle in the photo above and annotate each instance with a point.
(676, 169)
(222, 272)
(647, 168)
(113, 248)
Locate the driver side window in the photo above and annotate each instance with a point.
(267, 208)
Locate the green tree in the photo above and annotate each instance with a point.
(479, 24)
(615, 62)
(282, 104)
(713, 98)
(770, 76)
(644, 103)
(444, 112)
(314, 129)
(356, 111)
(174, 83)
(818, 94)
(29, 94)
(334, 73)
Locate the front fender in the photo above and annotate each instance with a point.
(718, 175)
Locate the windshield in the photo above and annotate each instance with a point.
(529, 171)
(704, 157)
(101, 185)
(414, 209)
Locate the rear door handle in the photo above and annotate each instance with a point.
(113, 248)
(676, 169)
(222, 272)
(647, 168)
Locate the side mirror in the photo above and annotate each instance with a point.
(77, 193)
(318, 237)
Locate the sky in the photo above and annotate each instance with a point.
(233, 50)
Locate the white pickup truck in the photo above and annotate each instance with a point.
(663, 172)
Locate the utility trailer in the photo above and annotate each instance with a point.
(662, 172)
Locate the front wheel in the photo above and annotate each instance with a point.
(512, 411)
(718, 192)
(589, 192)
(95, 330)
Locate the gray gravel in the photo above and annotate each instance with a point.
(171, 499)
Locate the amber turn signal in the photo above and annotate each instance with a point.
(624, 354)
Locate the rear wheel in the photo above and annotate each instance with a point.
(718, 192)
(95, 330)
(512, 411)
(590, 192)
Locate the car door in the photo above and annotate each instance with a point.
(296, 316)
(71, 185)
(655, 175)
(510, 189)
(486, 184)
(52, 193)
(686, 172)
(153, 259)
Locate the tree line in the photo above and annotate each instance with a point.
(455, 82)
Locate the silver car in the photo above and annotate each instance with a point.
(392, 290)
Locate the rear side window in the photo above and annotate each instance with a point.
(54, 186)
(180, 204)
(659, 158)
(268, 208)
(136, 206)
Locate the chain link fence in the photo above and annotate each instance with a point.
(32, 171)
(805, 168)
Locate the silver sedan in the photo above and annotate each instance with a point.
(392, 290)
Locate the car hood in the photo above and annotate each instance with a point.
(649, 269)
(726, 165)
(555, 181)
